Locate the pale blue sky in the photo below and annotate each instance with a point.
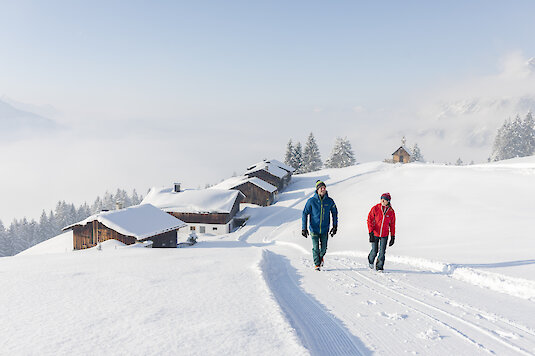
(276, 53)
(194, 91)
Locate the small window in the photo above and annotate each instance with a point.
(214, 228)
(192, 228)
(202, 229)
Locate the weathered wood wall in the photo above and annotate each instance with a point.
(267, 177)
(89, 235)
(255, 195)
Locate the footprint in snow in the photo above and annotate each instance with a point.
(430, 334)
(370, 302)
(393, 316)
(507, 334)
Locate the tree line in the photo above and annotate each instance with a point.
(515, 138)
(23, 233)
(309, 159)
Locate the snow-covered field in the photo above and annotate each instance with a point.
(458, 281)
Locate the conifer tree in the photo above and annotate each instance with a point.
(514, 139)
(4, 244)
(311, 155)
(528, 129)
(289, 156)
(342, 154)
(417, 154)
(298, 158)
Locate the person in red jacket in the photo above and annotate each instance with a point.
(381, 221)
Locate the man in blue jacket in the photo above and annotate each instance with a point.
(320, 207)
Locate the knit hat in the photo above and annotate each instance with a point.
(319, 183)
(386, 196)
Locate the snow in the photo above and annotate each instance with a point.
(140, 221)
(233, 182)
(193, 201)
(60, 244)
(273, 169)
(458, 281)
(281, 165)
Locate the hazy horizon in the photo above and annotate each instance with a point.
(138, 95)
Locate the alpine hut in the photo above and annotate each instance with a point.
(204, 210)
(271, 173)
(138, 223)
(256, 191)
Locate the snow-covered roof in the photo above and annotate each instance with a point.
(194, 201)
(282, 165)
(139, 221)
(268, 167)
(405, 148)
(233, 182)
(273, 162)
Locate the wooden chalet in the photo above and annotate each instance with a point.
(205, 210)
(271, 173)
(134, 224)
(256, 191)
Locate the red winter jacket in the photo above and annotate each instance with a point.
(381, 220)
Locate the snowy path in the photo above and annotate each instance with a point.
(319, 331)
(416, 310)
(480, 328)
(413, 308)
(395, 305)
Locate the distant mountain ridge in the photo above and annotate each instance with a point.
(13, 120)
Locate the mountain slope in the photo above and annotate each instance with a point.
(454, 282)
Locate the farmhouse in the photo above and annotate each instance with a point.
(271, 173)
(137, 223)
(256, 191)
(205, 211)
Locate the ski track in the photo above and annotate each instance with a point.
(319, 331)
(428, 309)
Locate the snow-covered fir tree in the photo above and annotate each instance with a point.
(417, 154)
(311, 155)
(342, 154)
(289, 155)
(298, 158)
(529, 134)
(4, 247)
(514, 139)
(459, 162)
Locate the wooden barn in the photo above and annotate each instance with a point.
(134, 224)
(271, 173)
(204, 210)
(256, 191)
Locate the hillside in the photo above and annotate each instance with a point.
(459, 279)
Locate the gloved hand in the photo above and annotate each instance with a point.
(334, 230)
(304, 233)
(372, 237)
(392, 240)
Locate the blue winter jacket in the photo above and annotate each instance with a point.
(320, 214)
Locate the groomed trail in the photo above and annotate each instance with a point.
(348, 309)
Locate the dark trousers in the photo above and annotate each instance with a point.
(317, 251)
(378, 246)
